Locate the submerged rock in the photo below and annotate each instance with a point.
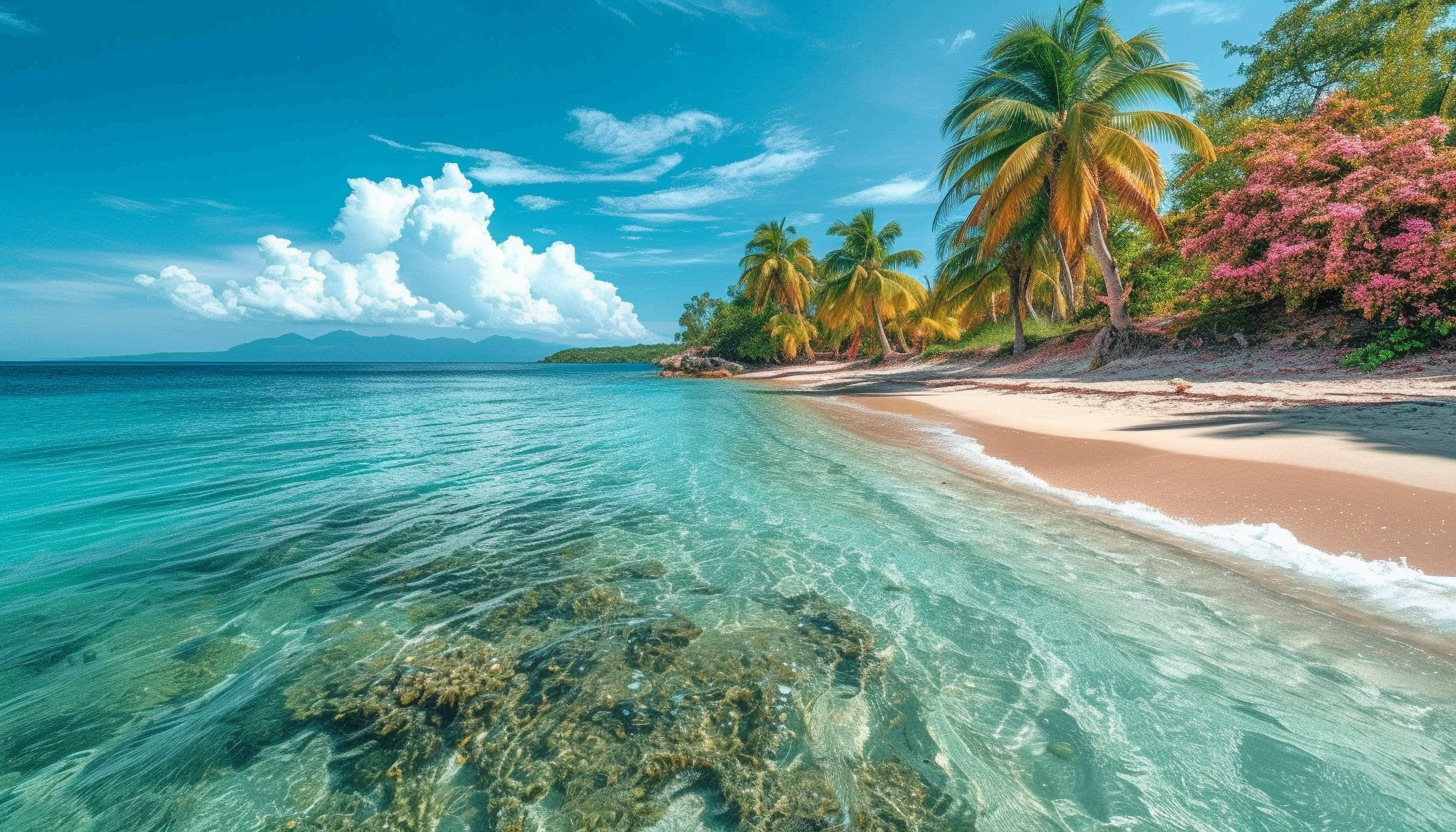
(568, 706)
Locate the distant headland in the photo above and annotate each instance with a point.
(346, 347)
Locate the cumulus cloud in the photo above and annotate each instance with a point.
(13, 24)
(537, 203)
(644, 135)
(902, 190)
(504, 169)
(1202, 11)
(961, 39)
(404, 245)
(786, 154)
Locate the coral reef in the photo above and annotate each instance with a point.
(566, 705)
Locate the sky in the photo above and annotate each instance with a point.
(189, 176)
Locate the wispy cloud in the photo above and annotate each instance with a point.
(547, 231)
(786, 154)
(961, 39)
(632, 254)
(1202, 11)
(743, 10)
(902, 190)
(531, 202)
(635, 229)
(669, 216)
(643, 135)
(131, 206)
(137, 206)
(15, 25)
(504, 169)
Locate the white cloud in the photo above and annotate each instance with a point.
(403, 244)
(13, 24)
(537, 203)
(505, 169)
(786, 154)
(188, 293)
(742, 233)
(961, 39)
(644, 135)
(804, 219)
(635, 229)
(547, 231)
(901, 190)
(1203, 11)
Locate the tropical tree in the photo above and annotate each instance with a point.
(1056, 113)
(777, 268)
(864, 276)
(794, 334)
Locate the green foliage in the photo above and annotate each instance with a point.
(694, 321)
(1389, 51)
(639, 354)
(1394, 343)
(737, 333)
(1162, 278)
(1001, 333)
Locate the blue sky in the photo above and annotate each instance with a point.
(187, 176)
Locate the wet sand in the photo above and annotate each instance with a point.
(1345, 470)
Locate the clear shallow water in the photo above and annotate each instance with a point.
(244, 598)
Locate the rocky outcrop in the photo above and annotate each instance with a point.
(694, 365)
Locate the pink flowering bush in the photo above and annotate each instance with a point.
(1337, 203)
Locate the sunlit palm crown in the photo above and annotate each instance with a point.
(865, 270)
(1058, 109)
(777, 267)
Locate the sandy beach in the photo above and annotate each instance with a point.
(1356, 465)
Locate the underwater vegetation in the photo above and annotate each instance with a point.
(567, 705)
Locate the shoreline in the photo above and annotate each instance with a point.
(1299, 455)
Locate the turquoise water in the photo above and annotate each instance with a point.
(481, 597)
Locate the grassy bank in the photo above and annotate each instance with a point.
(637, 354)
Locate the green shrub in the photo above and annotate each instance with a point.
(1393, 343)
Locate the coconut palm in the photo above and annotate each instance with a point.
(794, 334)
(865, 277)
(777, 267)
(1056, 113)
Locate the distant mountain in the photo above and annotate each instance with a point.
(342, 346)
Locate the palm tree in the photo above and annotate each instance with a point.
(794, 334)
(1055, 113)
(866, 277)
(1026, 265)
(777, 267)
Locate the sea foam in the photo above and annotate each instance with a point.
(1387, 587)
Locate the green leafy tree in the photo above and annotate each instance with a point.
(694, 320)
(1392, 52)
(1056, 113)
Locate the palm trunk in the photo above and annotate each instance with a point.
(1018, 289)
(854, 345)
(1102, 253)
(994, 318)
(880, 328)
(900, 336)
(1069, 292)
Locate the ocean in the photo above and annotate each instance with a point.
(519, 597)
